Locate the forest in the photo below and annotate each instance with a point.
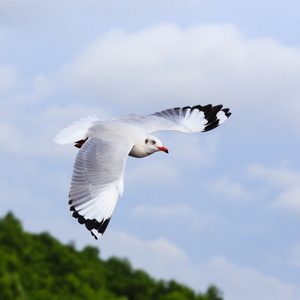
(38, 266)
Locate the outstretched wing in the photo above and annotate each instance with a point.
(97, 182)
(185, 119)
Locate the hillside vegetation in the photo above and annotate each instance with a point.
(37, 266)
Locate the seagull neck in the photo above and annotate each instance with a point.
(138, 151)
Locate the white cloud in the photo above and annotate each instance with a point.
(289, 200)
(208, 62)
(247, 283)
(229, 190)
(159, 257)
(194, 220)
(8, 78)
(284, 179)
(280, 177)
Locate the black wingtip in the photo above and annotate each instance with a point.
(210, 114)
(212, 125)
(94, 235)
(227, 113)
(91, 225)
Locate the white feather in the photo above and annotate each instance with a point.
(76, 131)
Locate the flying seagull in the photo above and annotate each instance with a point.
(97, 179)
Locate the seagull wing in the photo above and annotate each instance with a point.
(97, 182)
(185, 119)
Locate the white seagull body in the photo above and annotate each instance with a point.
(99, 167)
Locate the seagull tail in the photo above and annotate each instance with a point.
(76, 131)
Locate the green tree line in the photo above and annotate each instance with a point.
(37, 266)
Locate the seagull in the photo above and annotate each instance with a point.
(98, 173)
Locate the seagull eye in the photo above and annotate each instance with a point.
(153, 142)
(146, 141)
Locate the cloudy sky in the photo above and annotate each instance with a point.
(222, 207)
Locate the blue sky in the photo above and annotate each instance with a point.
(224, 206)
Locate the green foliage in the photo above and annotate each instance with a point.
(37, 266)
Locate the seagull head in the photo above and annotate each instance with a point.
(147, 146)
(153, 144)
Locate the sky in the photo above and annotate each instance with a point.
(222, 207)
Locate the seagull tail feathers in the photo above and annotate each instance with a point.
(76, 131)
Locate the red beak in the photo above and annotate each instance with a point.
(163, 149)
